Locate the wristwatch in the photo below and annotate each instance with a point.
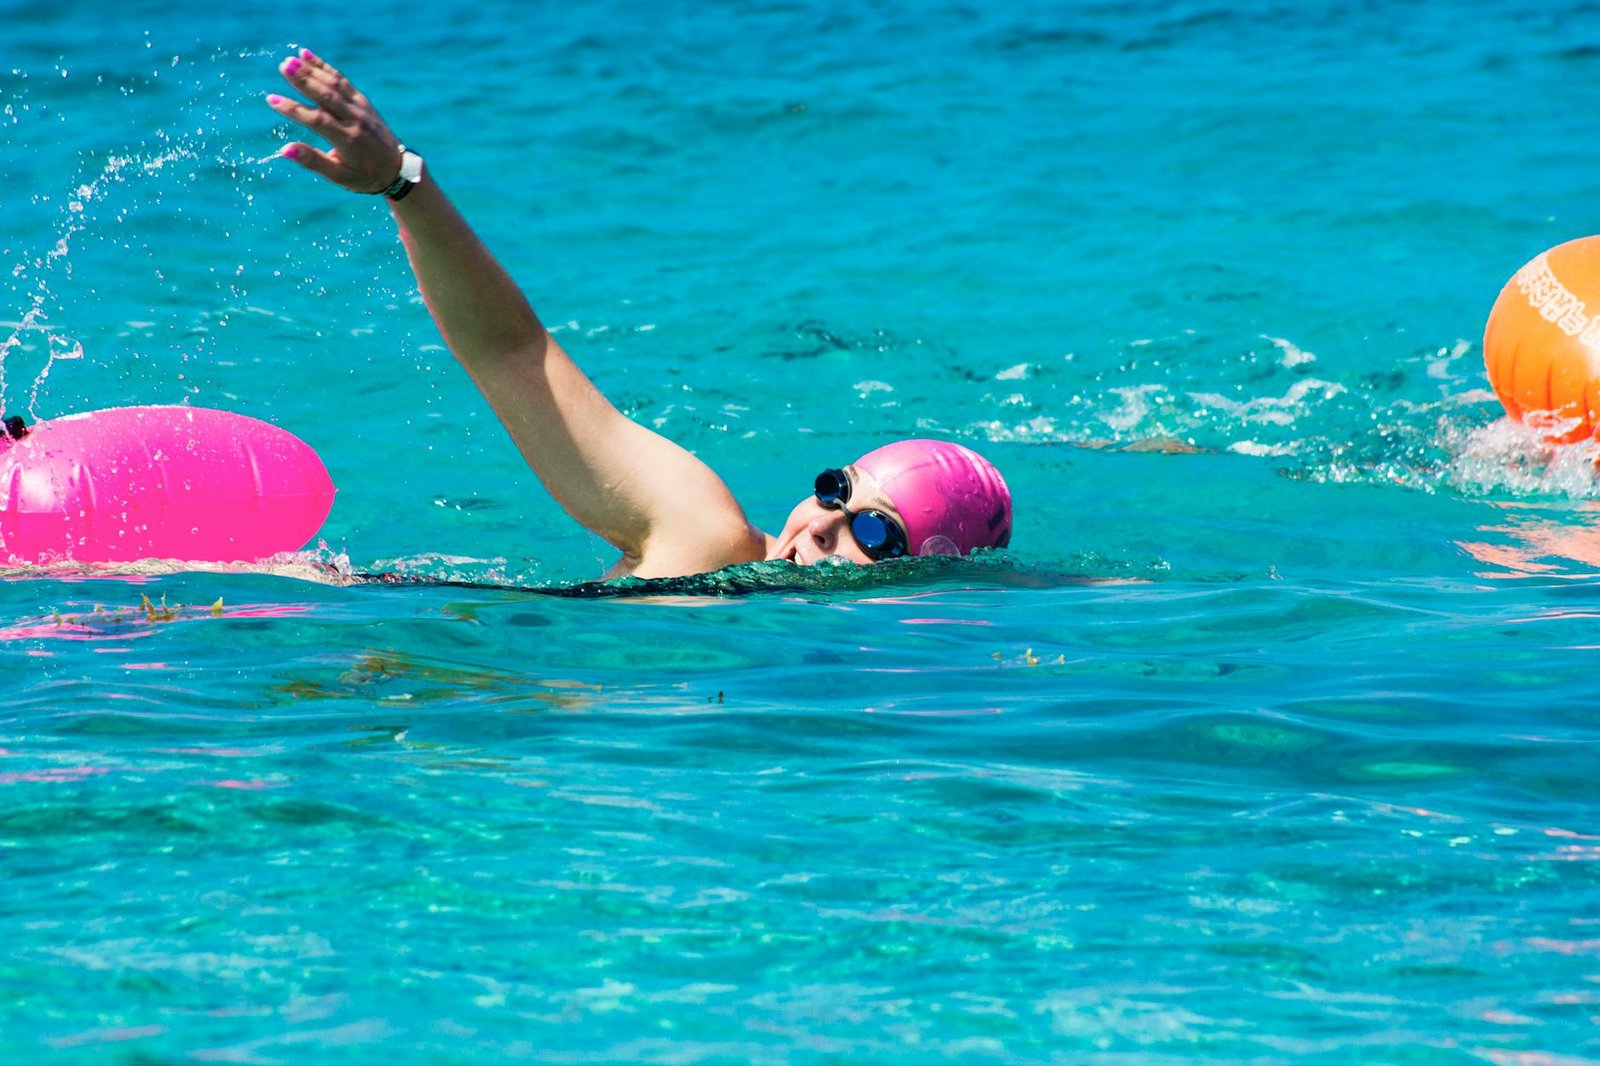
(410, 174)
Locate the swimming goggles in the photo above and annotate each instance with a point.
(879, 536)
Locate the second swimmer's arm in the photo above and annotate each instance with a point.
(668, 512)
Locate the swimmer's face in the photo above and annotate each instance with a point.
(863, 519)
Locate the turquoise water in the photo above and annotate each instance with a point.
(1273, 743)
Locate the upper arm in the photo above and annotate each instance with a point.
(668, 512)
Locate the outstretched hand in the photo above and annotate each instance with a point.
(365, 154)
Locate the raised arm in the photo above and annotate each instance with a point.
(666, 511)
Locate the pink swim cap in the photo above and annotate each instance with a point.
(952, 499)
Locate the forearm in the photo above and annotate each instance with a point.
(481, 313)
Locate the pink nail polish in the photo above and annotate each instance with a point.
(291, 151)
(307, 54)
(292, 67)
(274, 99)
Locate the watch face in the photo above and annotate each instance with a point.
(411, 166)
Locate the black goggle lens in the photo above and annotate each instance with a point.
(833, 487)
(879, 536)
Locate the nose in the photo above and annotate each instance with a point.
(825, 529)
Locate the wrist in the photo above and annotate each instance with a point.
(410, 174)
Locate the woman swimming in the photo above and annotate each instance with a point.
(668, 512)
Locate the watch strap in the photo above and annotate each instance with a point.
(410, 174)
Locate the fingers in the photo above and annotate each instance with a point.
(320, 83)
(319, 64)
(313, 160)
(329, 165)
(313, 118)
(364, 154)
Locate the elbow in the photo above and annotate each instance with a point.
(507, 343)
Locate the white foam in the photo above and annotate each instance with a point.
(1507, 456)
(1293, 354)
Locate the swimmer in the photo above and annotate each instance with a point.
(667, 512)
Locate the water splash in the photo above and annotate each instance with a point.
(76, 216)
(1510, 457)
(1426, 424)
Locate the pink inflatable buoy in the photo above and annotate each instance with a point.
(157, 483)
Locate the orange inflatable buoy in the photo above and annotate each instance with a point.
(1542, 343)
